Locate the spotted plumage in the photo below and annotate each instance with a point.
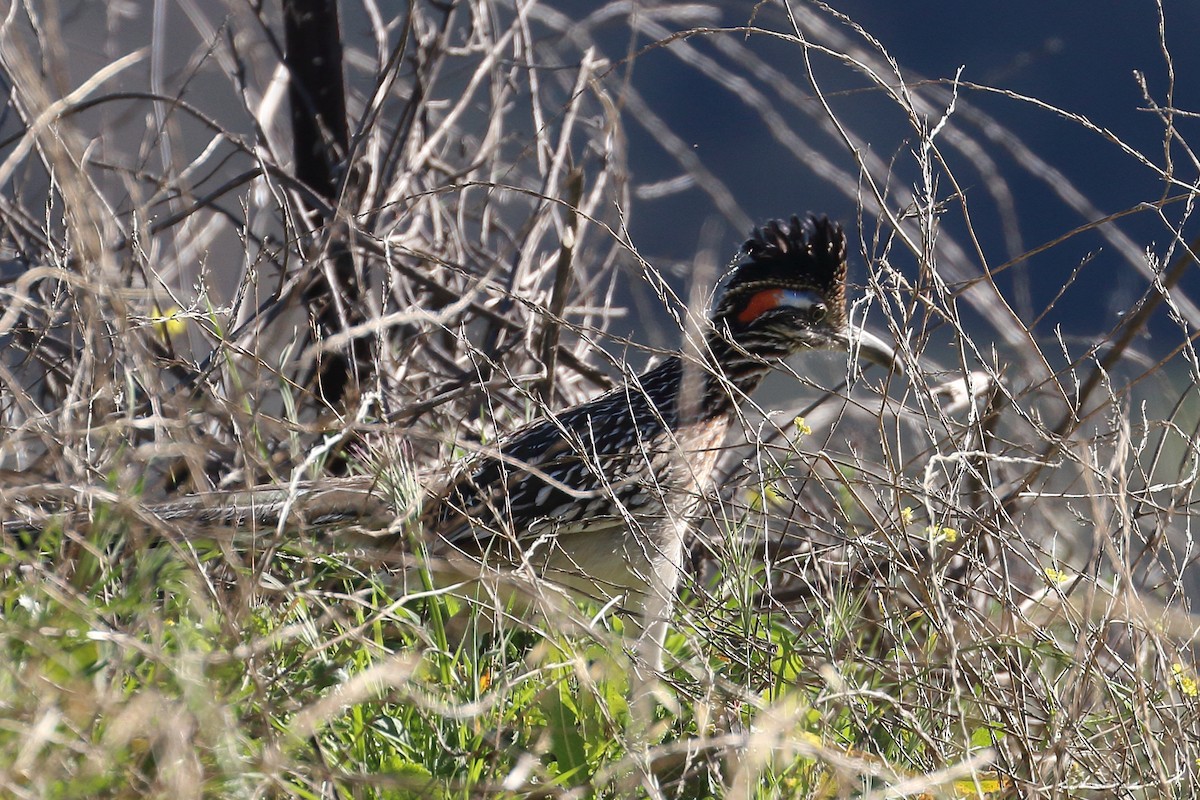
(598, 496)
(588, 463)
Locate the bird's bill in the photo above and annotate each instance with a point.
(865, 345)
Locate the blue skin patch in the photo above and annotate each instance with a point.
(801, 300)
(771, 299)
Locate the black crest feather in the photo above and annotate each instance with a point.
(807, 254)
(813, 248)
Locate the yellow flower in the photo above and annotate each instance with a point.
(941, 534)
(988, 783)
(802, 427)
(1057, 575)
(769, 496)
(170, 322)
(907, 515)
(1186, 683)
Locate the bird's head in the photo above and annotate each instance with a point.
(787, 292)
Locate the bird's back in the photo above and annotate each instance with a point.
(618, 457)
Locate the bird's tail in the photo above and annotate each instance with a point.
(356, 510)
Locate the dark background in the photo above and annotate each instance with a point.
(1029, 173)
(1080, 57)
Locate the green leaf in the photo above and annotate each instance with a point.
(566, 739)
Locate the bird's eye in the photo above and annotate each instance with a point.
(818, 312)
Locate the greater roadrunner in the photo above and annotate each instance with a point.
(597, 498)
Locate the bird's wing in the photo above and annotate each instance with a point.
(591, 464)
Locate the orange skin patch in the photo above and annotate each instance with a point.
(759, 304)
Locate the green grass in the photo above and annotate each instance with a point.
(996, 588)
(133, 670)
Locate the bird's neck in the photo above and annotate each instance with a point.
(731, 372)
(708, 384)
